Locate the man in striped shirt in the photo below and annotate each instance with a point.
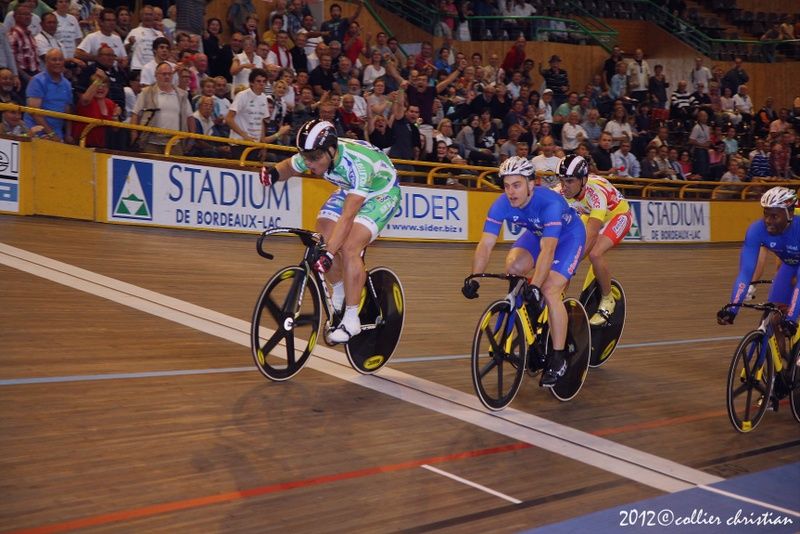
(680, 103)
(23, 45)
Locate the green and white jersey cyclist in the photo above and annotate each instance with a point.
(353, 215)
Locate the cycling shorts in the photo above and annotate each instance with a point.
(568, 254)
(374, 213)
(616, 228)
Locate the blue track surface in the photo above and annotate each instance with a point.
(703, 511)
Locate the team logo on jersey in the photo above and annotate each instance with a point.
(132, 190)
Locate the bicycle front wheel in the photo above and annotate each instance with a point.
(750, 380)
(498, 355)
(285, 323)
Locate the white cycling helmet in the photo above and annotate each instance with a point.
(779, 197)
(516, 165)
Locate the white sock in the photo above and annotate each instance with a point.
(351, 320)
(338, 295)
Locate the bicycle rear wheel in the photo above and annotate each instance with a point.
(605, 338)
(750, 378)
(794, 382)
(498, 355)
(382, 317)
(285, 323)
(579, 349)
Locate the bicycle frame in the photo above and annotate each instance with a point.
(313, 242)
(517, 306)
(769, 343)
(769, 346)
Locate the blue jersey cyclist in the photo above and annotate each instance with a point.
(779, 232)
(354, 214)
(552, 246)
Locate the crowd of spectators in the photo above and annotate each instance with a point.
(631, 119)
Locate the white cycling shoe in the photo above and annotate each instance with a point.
(604, 311)
(345, 331)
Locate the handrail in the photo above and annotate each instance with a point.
(572, 26)
(381, 23)
(250, 146)
(483, 182)
(420, 14)
(480, 177)
(695, 186)
(174, 136)
(577, 8)
(690, 33)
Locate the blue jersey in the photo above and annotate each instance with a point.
(546, 215)
(786, 246)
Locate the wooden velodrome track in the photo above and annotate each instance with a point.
(214, 447)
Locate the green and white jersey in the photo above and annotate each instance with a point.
(360, 168)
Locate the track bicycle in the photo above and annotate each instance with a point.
(508, 341)
(286, 318)
(760, 375)
(605, 337)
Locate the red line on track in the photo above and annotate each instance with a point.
(174, 506)
(659, 423)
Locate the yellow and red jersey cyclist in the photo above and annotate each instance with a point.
(607, 216)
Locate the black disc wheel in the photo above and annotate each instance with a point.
(285, 323)
(750, 380)
(382, 313)
(579, 348)
(498, 355)
(605, 338)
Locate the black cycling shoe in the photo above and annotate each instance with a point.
(556, 369)
(536, 360)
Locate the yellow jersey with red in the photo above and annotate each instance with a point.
(599, 200)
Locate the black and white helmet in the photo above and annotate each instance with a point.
(573, 166)
(316, 135)
(516, 165)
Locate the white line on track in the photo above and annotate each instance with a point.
(190, 372)
(475, 485)
(750, 501)
(417, 359)
(121, 376)
(598, 452)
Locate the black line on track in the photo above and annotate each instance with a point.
(747, 454)
(555, 497)
(493, 512)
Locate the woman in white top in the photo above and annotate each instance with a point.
(742, 104)
(289, 97)
(379, 103)
(69, 30)
(245, 62)
(279, 91)
(700, 139)
(618, 127)
(546, 106)
(444, 132)
(374, 70)
(728, 109)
